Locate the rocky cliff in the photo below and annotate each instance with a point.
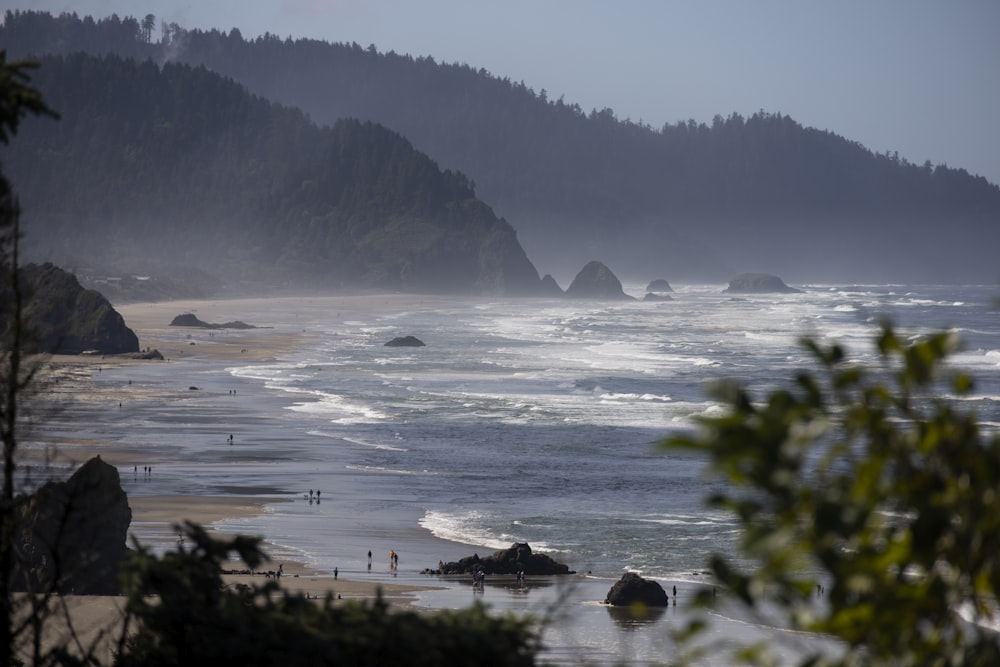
(65, 318)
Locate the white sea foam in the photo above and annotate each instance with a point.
(679, 522)
(467, 528)
(611, 396)
(358, 441)
(337, 409)
(384, 470)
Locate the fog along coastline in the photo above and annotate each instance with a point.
(527, 420)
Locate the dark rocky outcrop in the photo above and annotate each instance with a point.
(656, 296)
(65, 318)
(405, 341)
(72, 535)
(191, 320)
(596, 281)
(632, 588)
(758, 283)
(659, 285)
(517, 558)
(550, 288)
(153, 354)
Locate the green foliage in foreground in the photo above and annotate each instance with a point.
(186, 616)
(871, 482)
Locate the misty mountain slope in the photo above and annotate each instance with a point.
(181, 165)
(760, 193)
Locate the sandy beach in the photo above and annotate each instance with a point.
(74, 384)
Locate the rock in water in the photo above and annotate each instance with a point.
(405, 341)
(188, 320)
(550, 288)
(758, 283)
(72, 535)
(595, 281)
(191, 320)
(632, 588)
(659, 285)
(517, 558)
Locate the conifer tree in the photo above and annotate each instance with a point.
(17, 98)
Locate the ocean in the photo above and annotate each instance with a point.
(537, 421)
(520, 421)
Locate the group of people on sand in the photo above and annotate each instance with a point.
(393, 559)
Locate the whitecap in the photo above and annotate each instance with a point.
(358, 441)
(465, 528)
(387, 471)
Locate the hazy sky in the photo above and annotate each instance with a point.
(921, 77)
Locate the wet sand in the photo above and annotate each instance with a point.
(76, 390)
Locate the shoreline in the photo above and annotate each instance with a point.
(78, 388)
(178, 416)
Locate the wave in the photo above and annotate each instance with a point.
(611, 396)
(337, 409)
(464, 528)
(472, 528)
(358, 441)
(679, 522)
(388, 471)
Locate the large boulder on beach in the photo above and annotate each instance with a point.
(517, 558)
(71, 535)
(758, 283)
(65, 318)
(596, 281)
(632, 588)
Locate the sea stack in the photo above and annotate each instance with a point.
(596, 281)
(758, 283)
(659, 285)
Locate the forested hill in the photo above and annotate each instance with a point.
(184, 167)
(688, 200)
